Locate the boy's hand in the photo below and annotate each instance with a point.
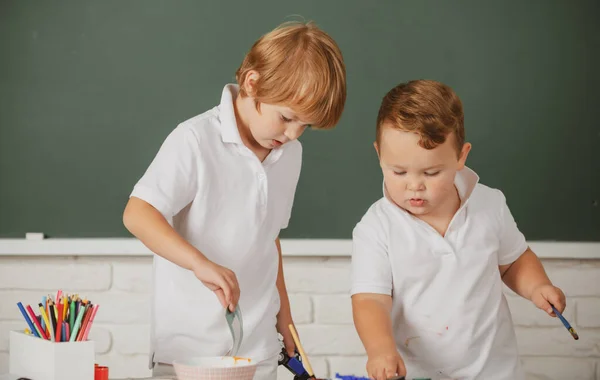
(385, 365)
(284, 320)
(220, 280)
(544, 295)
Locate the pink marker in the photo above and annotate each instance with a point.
(89, 324)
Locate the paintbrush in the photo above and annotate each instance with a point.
(564, 321)
(305, 361)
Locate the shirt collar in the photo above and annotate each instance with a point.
(229, 129)
(465, 182)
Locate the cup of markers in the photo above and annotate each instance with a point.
(63, 318)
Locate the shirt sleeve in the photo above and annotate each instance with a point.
(371, 268)
(171, 181)
(297, 162)
(512, 241)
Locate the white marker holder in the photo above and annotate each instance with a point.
(41, 359)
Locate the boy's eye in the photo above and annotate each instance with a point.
(285, 119)
(399, 173)
(432, 174)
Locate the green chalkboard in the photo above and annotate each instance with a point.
(90, 89)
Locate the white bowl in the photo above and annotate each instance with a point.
(215, 368)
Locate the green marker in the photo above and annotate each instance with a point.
(77, 324)
(72, 315)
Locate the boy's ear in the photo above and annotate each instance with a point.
(250, 82)
(464, 152)
(376, 148)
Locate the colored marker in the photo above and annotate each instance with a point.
(31, 326)
(77, 324)
(47, 322)
(53, 321)
(63, 332)
(564, 321)
(59, 321)
(36, 323)
(72, 314)
(65, 307)
(89, 324)
(86, 318)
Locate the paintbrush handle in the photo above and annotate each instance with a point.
(562, 319)
(566, 323)
(305, 361)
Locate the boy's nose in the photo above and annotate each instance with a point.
(293, 132)
(415, 186)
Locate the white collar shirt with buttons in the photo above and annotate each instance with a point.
(450, 317)
(224, 201)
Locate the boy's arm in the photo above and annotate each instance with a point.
(284, 317)
(151, 228)
(527, 277)
(371, 313)
(372, 319)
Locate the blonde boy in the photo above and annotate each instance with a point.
(430, 257)
(220, 189)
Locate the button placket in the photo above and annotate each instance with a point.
(263, 188)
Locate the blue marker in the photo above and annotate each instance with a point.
(31, 326)
(564, 321)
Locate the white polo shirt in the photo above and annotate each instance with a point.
(224, 201)
(450, 317)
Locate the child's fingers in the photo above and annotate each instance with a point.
(545, 305)
(221, 297)
(389, 373)
(557, 298)
(391, 369)
(370, 370)
(400, 369)
(235, 289)
(288, 342)
(226, 289)
(376, 373)
(226, 280)
(540, 301)
(380, 374)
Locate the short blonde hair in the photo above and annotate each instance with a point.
(300, 67)
(426, 107)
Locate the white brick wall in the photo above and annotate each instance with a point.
(318, 291)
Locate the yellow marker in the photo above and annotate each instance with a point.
(47, 322)
(65, 307)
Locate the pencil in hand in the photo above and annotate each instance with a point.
(564, 321)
